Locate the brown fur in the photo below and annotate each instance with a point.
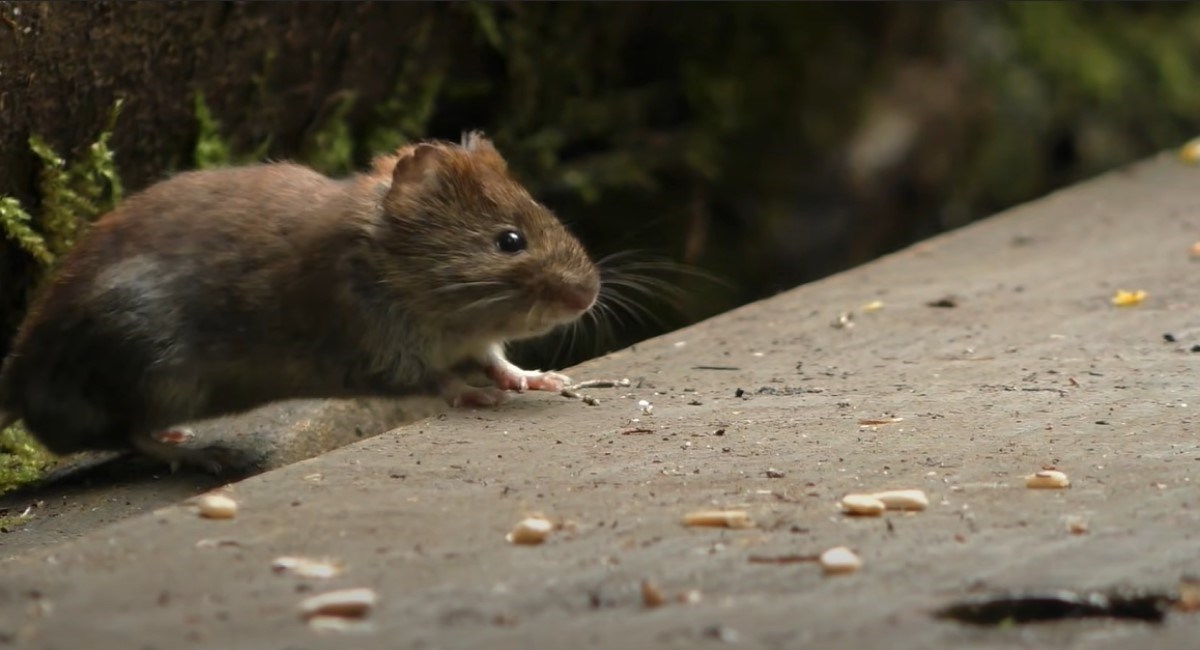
(218, 291)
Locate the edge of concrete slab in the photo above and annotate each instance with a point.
(1033, 367)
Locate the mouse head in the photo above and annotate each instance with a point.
(466, 244)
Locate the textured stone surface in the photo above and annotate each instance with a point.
(1034, 367)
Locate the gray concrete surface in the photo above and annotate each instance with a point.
(1033, 367)
(88, 490)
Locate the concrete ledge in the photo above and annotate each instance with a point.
(1033, 367)
(89, 490)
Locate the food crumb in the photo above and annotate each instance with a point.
(840, 560)
(719, 518)
(1125, 298)
(1077, 525)
(216, 506)
(1189, 153)
(343, 603)
(530, 531)
(652, 596)
(689, 597)
(903, 499)
(305, 567)
(1047, 479)
(863, 505)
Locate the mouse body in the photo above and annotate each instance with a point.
(217, 291)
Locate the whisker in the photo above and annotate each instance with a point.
(604, 331)
(635, 309)
(459, 286)
(486, 301)
(557, 356)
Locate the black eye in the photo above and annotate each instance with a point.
(510, 241)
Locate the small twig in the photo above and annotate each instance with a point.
(586, 399)
(571, 392)
(876, 422)
(638, 430)
(782, 559)
(600, 383)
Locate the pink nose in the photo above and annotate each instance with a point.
(577, 298)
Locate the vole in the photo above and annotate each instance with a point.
(217, 291)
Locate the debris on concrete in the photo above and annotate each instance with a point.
(216, 506)
(719, 519)
(343, 603)
(1060, 605)
(530, 531)
(1047, 479)
(1125, 298)
(307, 567)
(840, 560)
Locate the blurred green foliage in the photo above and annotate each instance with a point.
(22, 460)
(1112, 81)
(71, 196)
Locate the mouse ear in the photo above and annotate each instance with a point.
(477, 143)
(417, 166)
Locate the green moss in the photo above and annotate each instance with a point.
(485, 21)
(18, 225)
(71, 196)
(404, 116)
(329, 148)
(22, 459)
(211, 149)
(10, 522)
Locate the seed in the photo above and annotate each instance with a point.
(1189, 595)
(217, 506)
(689, 597)
(305, 567)
(862, 504)
(903, 499)
(719, 518)
(1077, 525)
(1190, 152)
(1047, 479)
(1125, 298)
(840, 560)
(346, 603)
(531, 530)
(652, 596)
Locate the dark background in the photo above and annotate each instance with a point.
(765, 144)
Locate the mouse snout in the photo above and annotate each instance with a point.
(577, 296)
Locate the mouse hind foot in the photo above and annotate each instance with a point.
(164, 446)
